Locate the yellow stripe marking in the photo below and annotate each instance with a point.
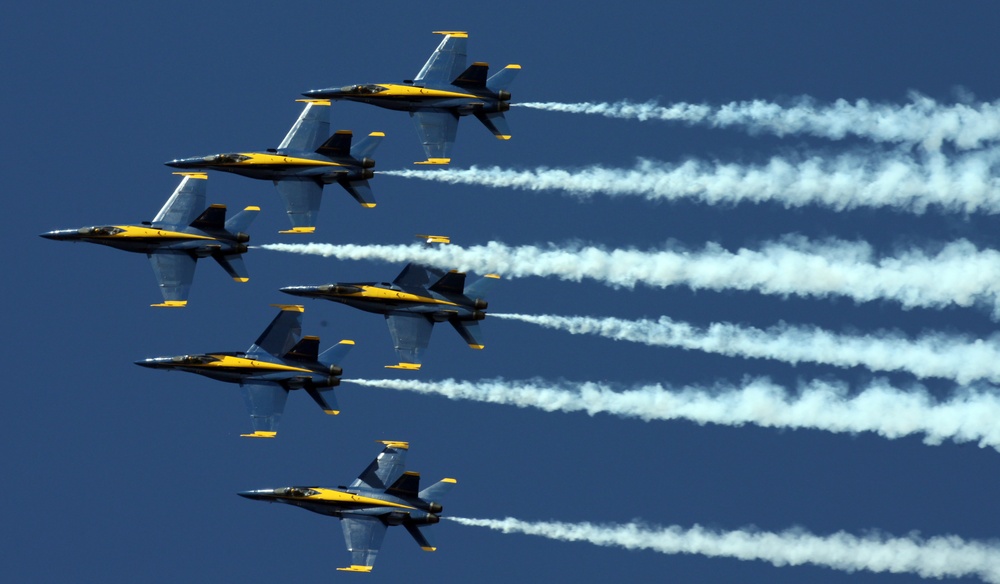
(241, 279)
(434, 161)
(503, 136)
(252, 208)
(342, 497)
(364, 569)
(314, 101)
(368, 205)
(137, 232)
(290, 307)
(471, 346)
(199, 175)
(512, 66)
(494, 276)
(459, 34)
(377, 293)
(394, 90)
(379, 134)
(428, 549)
(449, 480)
(332, 412)
(230, 362)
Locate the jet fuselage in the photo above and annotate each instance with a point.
(281, 164)
(383, 298)
(461, 101)
(243, 368)
(357, 501)
(153, 237)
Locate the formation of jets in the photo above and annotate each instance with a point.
(281, 359)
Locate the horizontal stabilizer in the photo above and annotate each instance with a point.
(496, 123)
(361, 191)
(212, 219)
(419, 537)
(338, 145)
(241, 221)
(234, 266)
(437, 490)
(473, 77)
(328, 402)
(481, 287)
(450, 283)
(502, 79)
(306, 349)
(405, 486)
(470, 332)
(366, 146)
(335, 354)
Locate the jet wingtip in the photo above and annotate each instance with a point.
(395, 444)
(299, 230)
(407, 366)
(352, 568)
(435, 161)
(171, 304)
(260, 434)
(459, 34)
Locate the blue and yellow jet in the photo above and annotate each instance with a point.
(385, 494)
(308, 158)
(183, 231)
(419, 297)
(275, 364)
(443, 91)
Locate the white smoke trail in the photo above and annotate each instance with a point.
(959, 274)
(935, 557)
(922, 121)
(968, 416)
(933, 355)
(966, 185)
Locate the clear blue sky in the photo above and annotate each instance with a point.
(116, 473)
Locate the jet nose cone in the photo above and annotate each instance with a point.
(195, 162)
(330, 93)
(298, 290)
(257, 495)
(155, 363)
(56, 235)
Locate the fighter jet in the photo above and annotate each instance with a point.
(275, 364)
(442, 91)
(305, 160)
(419, 297)
(383, 495)
(183, 231)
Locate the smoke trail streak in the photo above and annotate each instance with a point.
(922, 121)
(966, 185)
(935, 557)
(969, 416)
(933, 355)
(959, 274)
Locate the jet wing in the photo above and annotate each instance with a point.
(301, 198)
(448, 60)
(411, 333)
(175, 272)
(265, 403)
(281, 335)
(311, 129)
(386, 469)
(415, 275)
(186, 203)
(437, 131)
(363, 535)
